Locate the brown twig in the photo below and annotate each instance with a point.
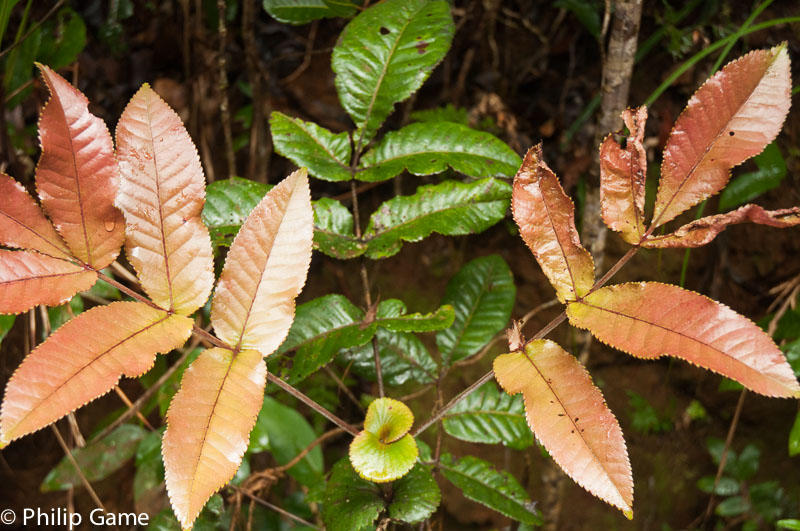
(341, 385)
(72, 460)
(127, 401)
(33, 28)
(273, 507)
(316, 442)
(312, 35)
(260, 147)
(224, 104)
(312, 404)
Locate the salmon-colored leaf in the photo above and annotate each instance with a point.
(703, 230)
(570, 418)
(546, 220)
(731, 118)
(29, 278)
(649, 319)
(161, 193)
(266, 268)
(22, 222)
(77, 175)
(208, 426)
(622, 178)
(83, 360)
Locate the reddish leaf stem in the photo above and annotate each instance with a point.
(312, 404)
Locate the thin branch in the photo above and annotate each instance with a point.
(312, 404)
(224, 104)
(127, 401)
(316, 442)
(33, 28)
(341, 385)
(275, 508)
(72, 460)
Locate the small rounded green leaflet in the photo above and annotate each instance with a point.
(384, 451)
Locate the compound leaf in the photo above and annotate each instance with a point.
(491, 417)
(432, 147)
(29, 278)
(265, 269)
(208, 426)
(498, 490)
(350, 503)
(325, 154)
(161, 194)
(77, 175)
(83, 360)
(649, 319)
(546, 220)
(228, 203)
(333, 230)
(570, 418)
(385, 54)
(732, 117)
(450, 208)
(482, 293)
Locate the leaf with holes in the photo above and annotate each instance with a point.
(732, 117)
(83, 360)
(77, 175)
(570, 418)
(208, 426)
(266, 267)
(649, 319)
(161, 194)
(385, 54)
(431, 147)
(546, 220)
(325, 154)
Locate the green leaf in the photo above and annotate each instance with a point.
(725, 486)
(794, 437)
(388, 419)
(286, 433)
(97, 460)
(449, 208)
(790, 523)
(304, 11)
(733, 506)
(228, 203)
(149, 466)
(385, 54)
(321, 328)
(404, 358)
(745, 465)
(64, 41)
(748, 186)
(498, 490)
(415, 496)
(58, 315)
(585, 11)
(381, 462)
(491, 417)
(6, 322)
(5, 12)
(767, 499)
(350, 503)
(325, 154)
(792, 351)
(482, 293)
(392, 315)
(432, 147)
(448, 113)
(333, 230)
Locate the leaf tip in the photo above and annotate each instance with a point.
(628, 513)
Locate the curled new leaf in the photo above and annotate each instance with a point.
(570, 418)
(208, 426)
(384, 451)
(266, 268)
(546, 220)
(622, 178)
(83, 360)
(77, 175)
(649, 319)
(732, 117)
(162, 194)
(703, 230)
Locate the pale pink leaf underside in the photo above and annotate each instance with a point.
(731, 118)
(266, 267)
(546, 220)
(569, 416)
(208, 426)
(22, 222)
(29, 278)
(703, 230)
(161, 193)
(83, 360)
(77, 174)
(622, 178)
(649, 319)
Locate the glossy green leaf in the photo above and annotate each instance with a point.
(415, 496)
(228, 203)
(97, 460)
(450, 208)
(388, 419)
(325, 154)
(392, 315)
(432, 147)
(321, 328)
(794, 437)
(149, 467)
(789, 523)
(725, 486)
(733, 506)
(404, 358)
(350, 502)
(491, 417)
(285, 433)
(63, 40)
(381, 462)
(333, 230)
(482, 293)
(748, 186)
(304, 11)
(448, 113)
(385, 54)
(498, 490)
